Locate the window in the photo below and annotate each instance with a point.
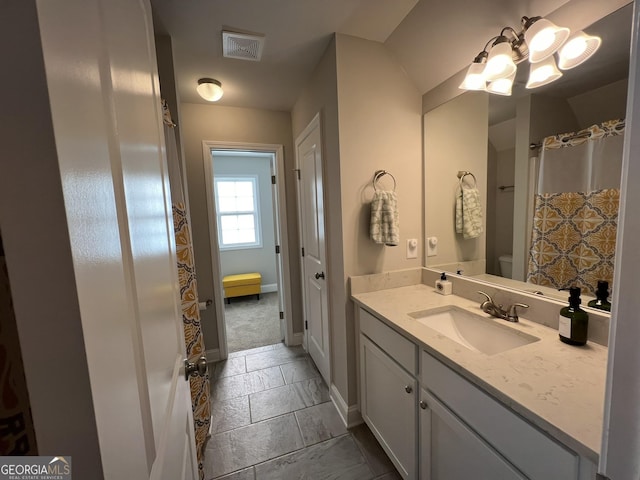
(238, 212)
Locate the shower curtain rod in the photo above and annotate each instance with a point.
(533, 146)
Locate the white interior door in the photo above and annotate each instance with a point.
(314, 273)
(99, 54)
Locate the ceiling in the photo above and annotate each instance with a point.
(419, 33)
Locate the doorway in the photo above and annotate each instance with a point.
(248, 235)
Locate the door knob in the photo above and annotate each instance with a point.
(423, 404)
(319, 275)
(408, 389)
(199, 367)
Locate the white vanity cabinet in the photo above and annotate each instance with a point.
(437, 425)
(389, 392)
(449, 449)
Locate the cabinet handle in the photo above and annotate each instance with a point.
(423, 404)
(408, 389)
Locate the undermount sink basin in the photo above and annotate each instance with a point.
(473, 331)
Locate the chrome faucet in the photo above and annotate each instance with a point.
(510, 315)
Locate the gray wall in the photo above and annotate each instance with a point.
(371, 127)
(233, 124)
(245, 260)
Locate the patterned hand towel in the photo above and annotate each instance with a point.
(468, 213)
(384, 218)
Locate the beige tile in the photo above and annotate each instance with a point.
(319, 423)
(240, 448)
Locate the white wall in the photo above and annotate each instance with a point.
(231, 124)
(262, 259)
(455, 138)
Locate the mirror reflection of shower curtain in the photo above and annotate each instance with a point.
(575, 213)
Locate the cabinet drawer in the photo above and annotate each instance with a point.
(535, 454)
(399, 348)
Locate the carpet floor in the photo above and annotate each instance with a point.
(252, 323)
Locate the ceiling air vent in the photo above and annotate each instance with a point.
(242, 46)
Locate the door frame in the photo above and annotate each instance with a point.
(314, 123)
(281, 234)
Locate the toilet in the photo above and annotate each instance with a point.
(506, 262)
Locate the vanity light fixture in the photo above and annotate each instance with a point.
(543, 72)
(502, 86)
(543, 37)
(579, 48)
(539, 40)
(210, 89)
(474, 79)
(500, 61)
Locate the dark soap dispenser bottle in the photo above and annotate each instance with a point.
(602, 297)
(574, 322)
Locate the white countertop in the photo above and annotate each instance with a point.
(557, 387)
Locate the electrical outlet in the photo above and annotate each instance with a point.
(412, 248)
(432, 246)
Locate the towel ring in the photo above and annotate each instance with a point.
(379, 174)
(462, 174)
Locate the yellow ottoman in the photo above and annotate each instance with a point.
(241, 285)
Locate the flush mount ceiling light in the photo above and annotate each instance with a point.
(494, 68)
(210, 89)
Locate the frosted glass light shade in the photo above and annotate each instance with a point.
(500, 62)
(544, 38)
(210, 89)
(502, 86)
(543, 73)
(474, 79)
(578, 49)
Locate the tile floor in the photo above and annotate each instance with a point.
(272, 419)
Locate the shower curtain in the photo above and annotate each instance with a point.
(200, 391)
(576, 208)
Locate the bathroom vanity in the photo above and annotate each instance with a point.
(478, 397)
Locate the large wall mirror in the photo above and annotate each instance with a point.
(499, 139)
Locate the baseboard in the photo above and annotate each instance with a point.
(350, 415)
(213, 355)
(297, 339)
(271, 287)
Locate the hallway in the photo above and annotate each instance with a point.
(272, 419)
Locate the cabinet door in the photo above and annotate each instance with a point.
(389, 406)
(450, 450)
